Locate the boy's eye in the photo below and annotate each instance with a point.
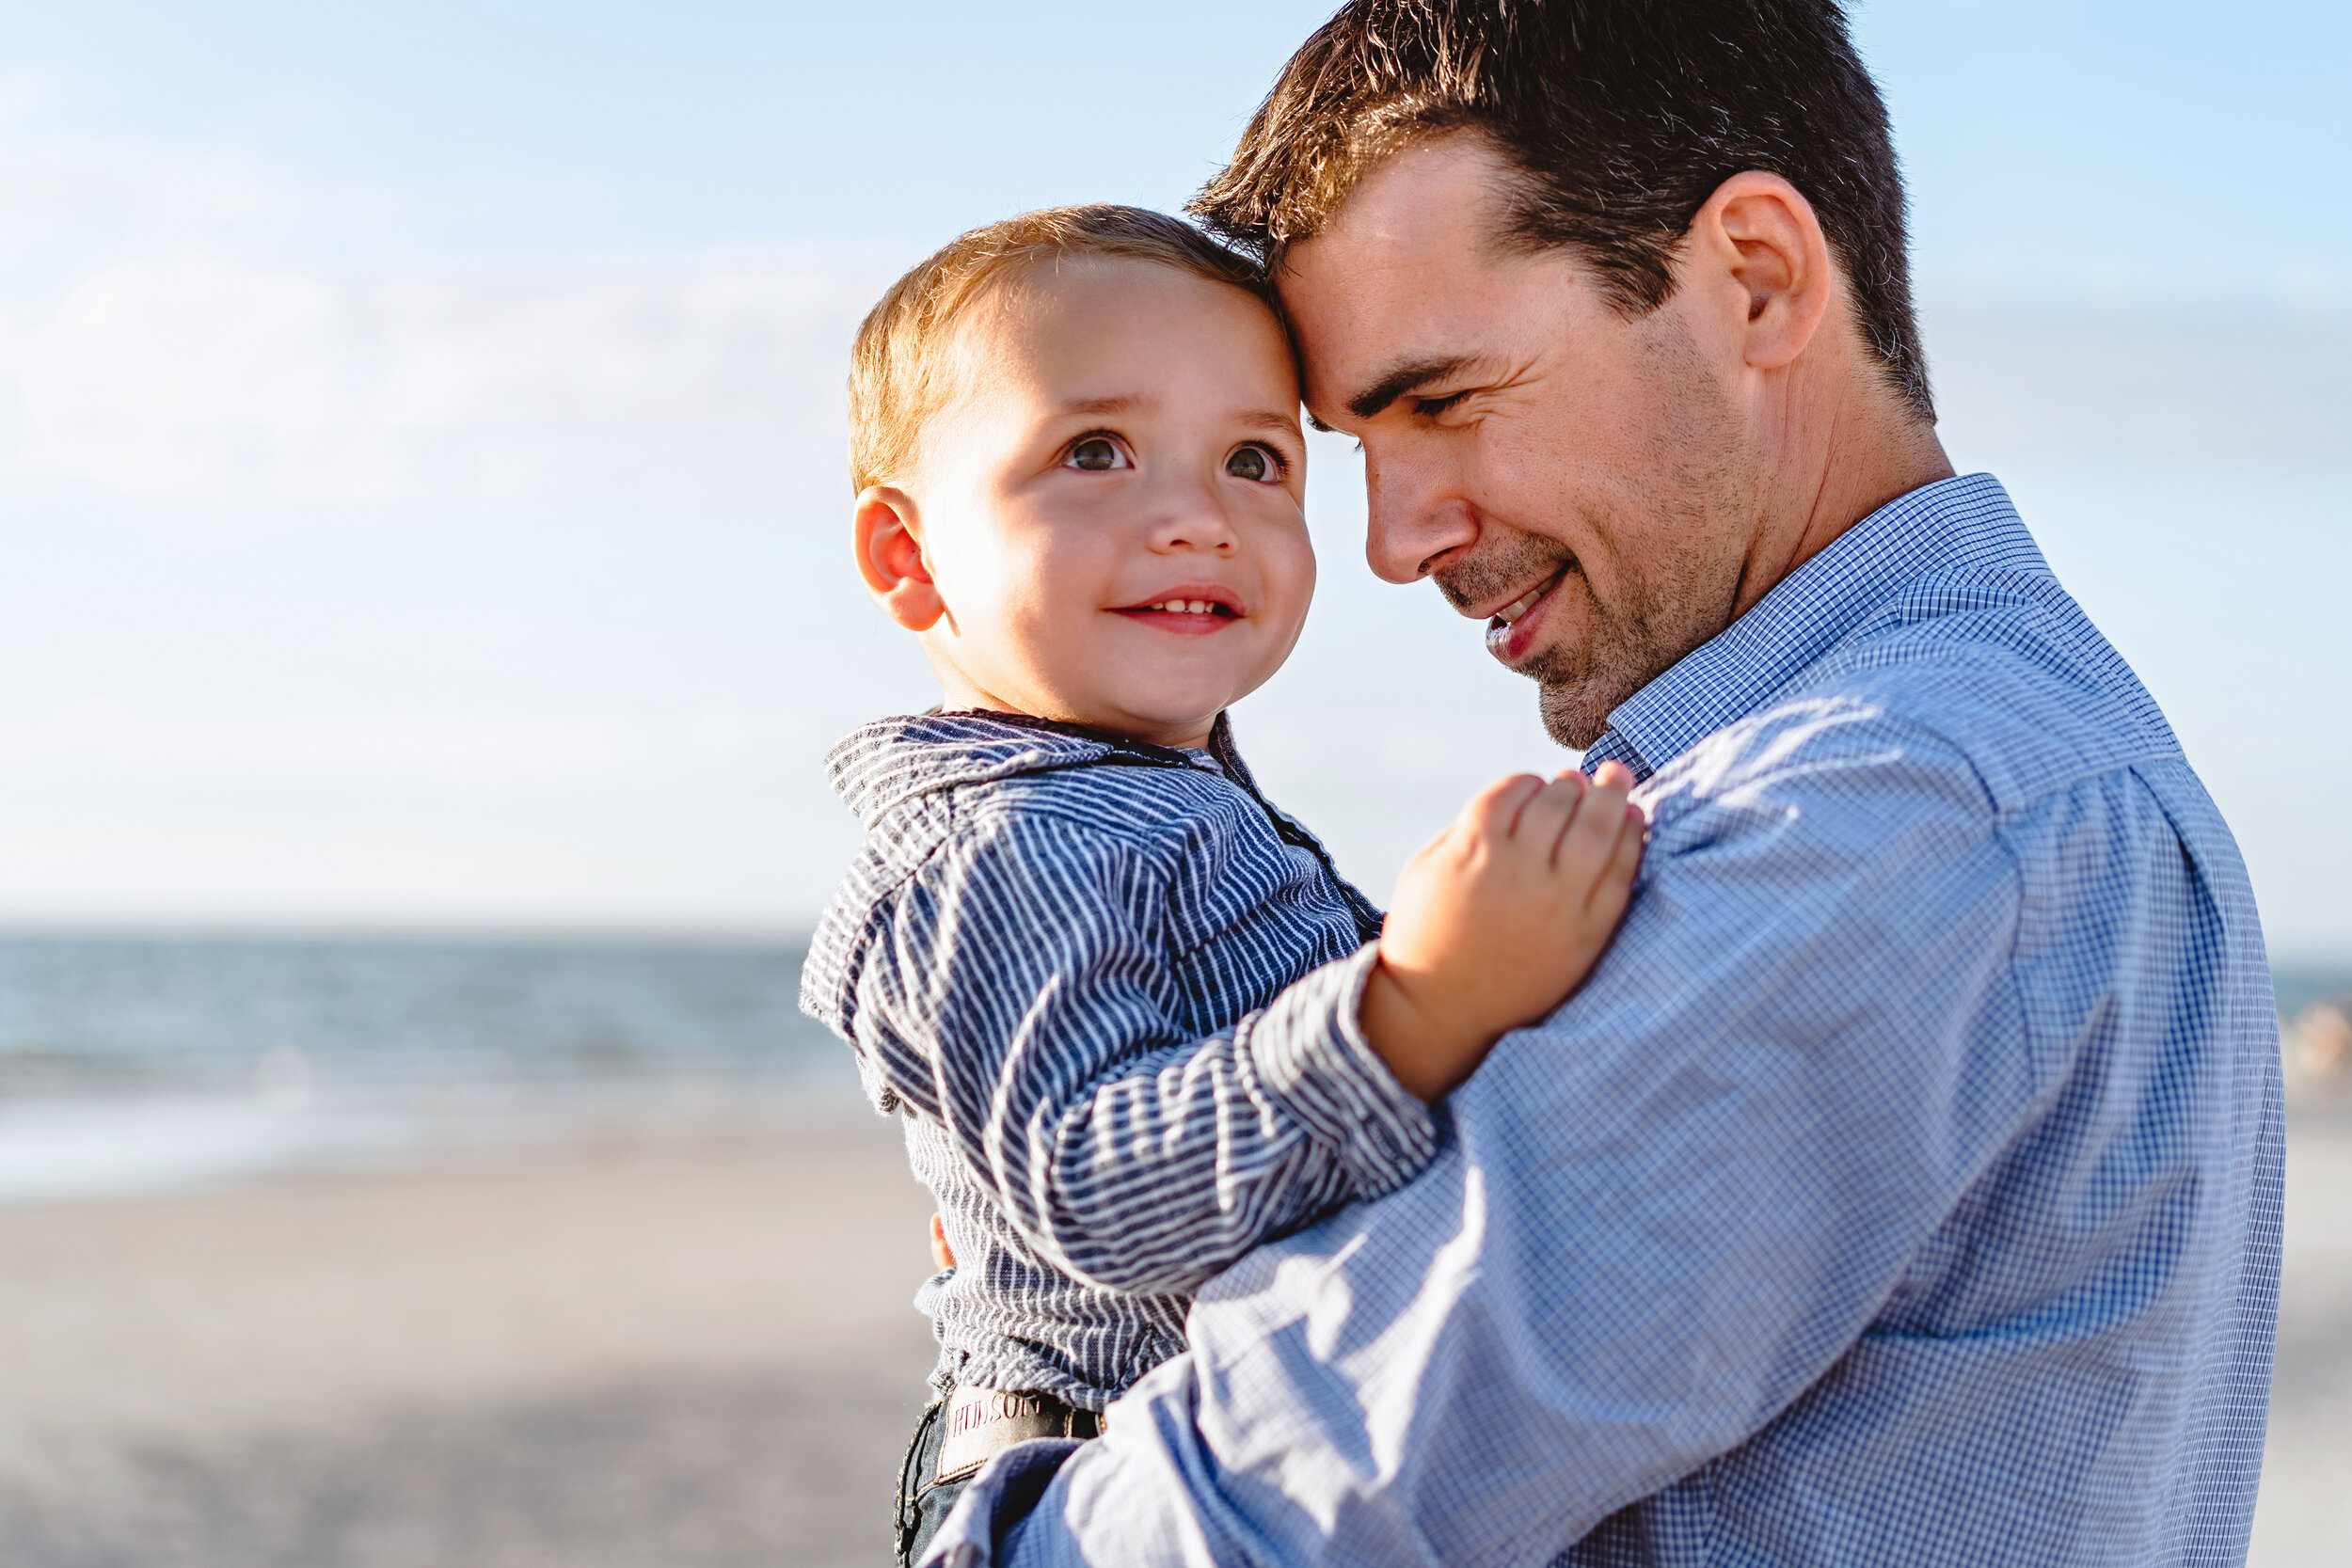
(1253, 463)
(1095, 454)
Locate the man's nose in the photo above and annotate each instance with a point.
(1416, 518)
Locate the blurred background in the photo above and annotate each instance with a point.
(424, 608)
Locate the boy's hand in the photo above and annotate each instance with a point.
(1498, 919)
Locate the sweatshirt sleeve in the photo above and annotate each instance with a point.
(1018, 989)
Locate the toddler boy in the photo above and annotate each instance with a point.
(1133, 1018)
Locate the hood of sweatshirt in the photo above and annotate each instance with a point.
(880, 767)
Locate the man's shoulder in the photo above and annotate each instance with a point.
(1999, 674)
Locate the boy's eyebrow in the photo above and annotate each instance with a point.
(1120, 404)
(1402, 380)
(1256, 419)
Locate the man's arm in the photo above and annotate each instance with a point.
(1663, 1215)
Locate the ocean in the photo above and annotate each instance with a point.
(131, 1065)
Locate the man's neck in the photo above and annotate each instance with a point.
(1866, 451)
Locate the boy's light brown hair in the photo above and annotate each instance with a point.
(898, 377)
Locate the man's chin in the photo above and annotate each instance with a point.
(1574, 701)
(1580, 682)
(1574, 714)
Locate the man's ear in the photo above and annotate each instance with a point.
(889, 540)
(1759, 236)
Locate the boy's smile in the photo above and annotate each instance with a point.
(1190, 609)
(1107, 511)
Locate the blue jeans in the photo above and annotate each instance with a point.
(924, 1501)
(923, 1504)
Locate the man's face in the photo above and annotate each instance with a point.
(1580, 482)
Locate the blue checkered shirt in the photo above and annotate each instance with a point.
(1111, 991)
(1903, 1188)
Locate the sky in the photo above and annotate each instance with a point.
(420, 474)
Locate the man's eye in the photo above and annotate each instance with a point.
(1095, 454)
(1253, 463)
(1428, 408)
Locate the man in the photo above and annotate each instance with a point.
(1904, 1187)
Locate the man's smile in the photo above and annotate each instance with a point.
(1511, 629)
(1525, 602)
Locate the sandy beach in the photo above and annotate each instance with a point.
(2304, 1519)
(674, 1355)
(679, 1356)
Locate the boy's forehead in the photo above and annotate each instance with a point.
(1107, 336)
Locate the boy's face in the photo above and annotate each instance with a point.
(1125, 438)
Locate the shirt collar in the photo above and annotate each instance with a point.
(880, 766)
(1967, 522)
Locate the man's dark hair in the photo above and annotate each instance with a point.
(1620, 117)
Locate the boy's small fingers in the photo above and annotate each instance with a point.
(1585, 843)
(1633, 842)
(1550, 810)
(1617, 877)
(1495, 810)
(1601, 850)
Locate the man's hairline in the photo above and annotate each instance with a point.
(1510, 238)
(1505, 238)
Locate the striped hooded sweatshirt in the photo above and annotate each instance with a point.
(1094, 980)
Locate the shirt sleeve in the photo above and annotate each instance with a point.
(1659, 1218)
(1020, 990)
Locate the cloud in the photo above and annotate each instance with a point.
(89, 196)
(190, 378)
(383, 750)
(195, 379)
(174, 335)
(2190, 385)
(198, 330)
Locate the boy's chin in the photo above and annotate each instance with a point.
(1164, 724)
(1148, 702)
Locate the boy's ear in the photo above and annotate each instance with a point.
(889, 542)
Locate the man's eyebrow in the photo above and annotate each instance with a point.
(1400, 381)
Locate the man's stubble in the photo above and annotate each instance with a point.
(1679, 535)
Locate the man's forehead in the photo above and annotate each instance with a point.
(1397, 269)
(1433, 203)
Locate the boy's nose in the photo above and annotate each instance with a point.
(1195, 521)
